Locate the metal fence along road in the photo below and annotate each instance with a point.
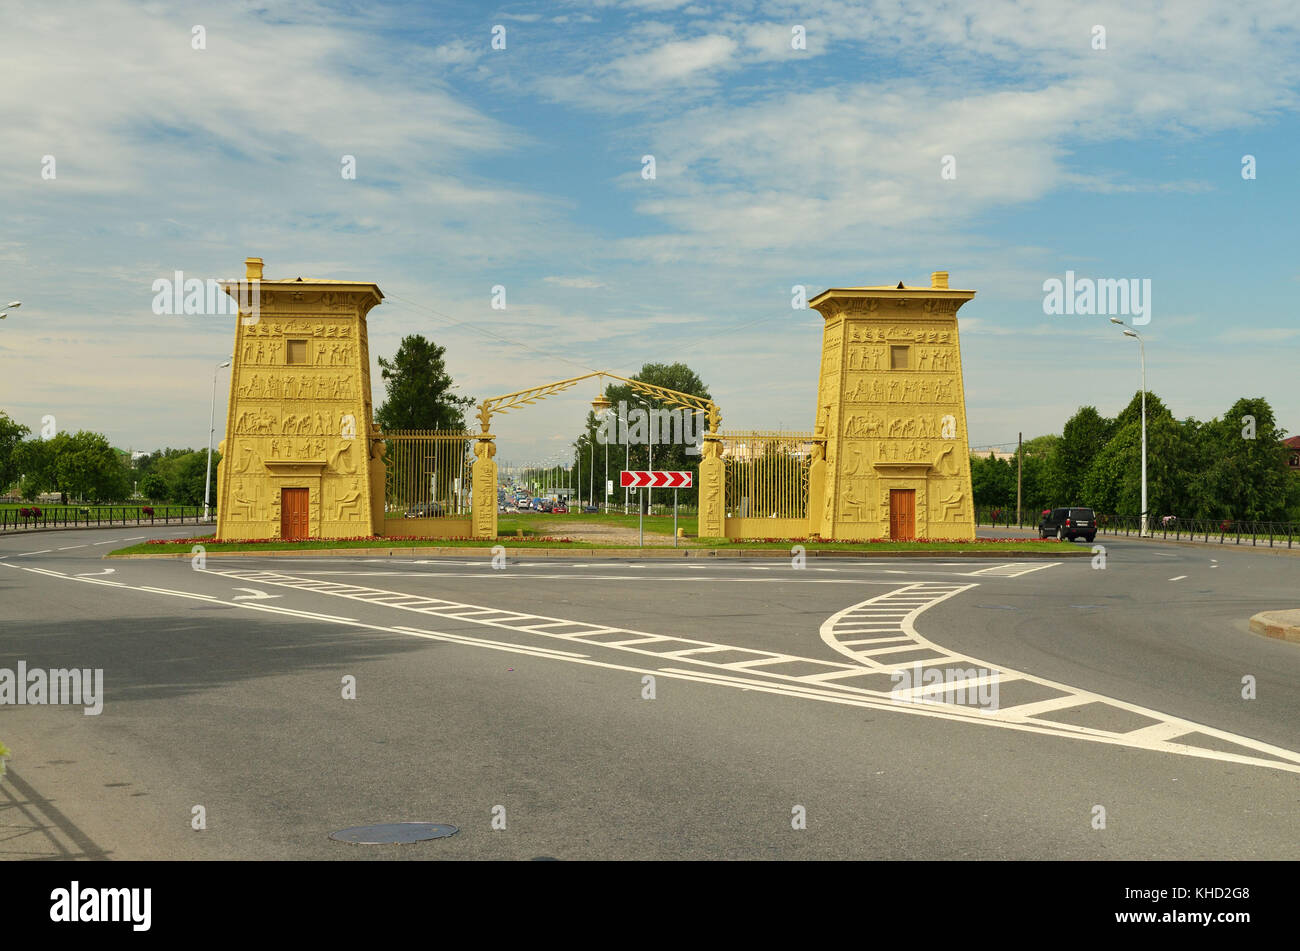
(1211, 530)
(64, 516)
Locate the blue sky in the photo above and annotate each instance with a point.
(774, 166)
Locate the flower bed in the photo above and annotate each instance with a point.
(208, 540)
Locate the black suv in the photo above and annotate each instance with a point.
(1068, 524)
(426, 510)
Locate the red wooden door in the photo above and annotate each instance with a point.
(902, 514)
(294, 523)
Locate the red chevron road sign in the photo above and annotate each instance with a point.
(648, 479)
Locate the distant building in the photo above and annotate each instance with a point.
(1293, 453)
(995, 453)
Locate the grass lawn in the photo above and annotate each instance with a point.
(543, 524)
(992, 547)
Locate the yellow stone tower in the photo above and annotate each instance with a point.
(301, 457)
(892, 412)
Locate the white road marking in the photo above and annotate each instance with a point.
(1014, 569)
(70, 547)
(106, 571)
(41, 552)
(135, 538)
(1179, 578)
(254, 595)
(1158, 736)
(109, 542)
(1012, 718)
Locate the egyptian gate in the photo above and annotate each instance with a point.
(891, 415)
(300, 458)
(887, 456)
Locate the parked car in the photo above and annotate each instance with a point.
(426, 510)
(590, 509)
(524, 505)
(1068, 524)
(559, 508)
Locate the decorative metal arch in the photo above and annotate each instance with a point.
(509, 401)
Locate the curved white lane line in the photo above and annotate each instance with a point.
(1157, 737)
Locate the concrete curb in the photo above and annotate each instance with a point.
(634, 553)
(1280, 625)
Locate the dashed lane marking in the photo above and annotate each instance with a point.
(890, 619)
(822, 685)
(1179, 578)
(1013, 569)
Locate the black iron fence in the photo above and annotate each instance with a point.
(1211, 530)
(17, 518)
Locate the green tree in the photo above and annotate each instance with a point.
(1039, 489)
(154, 488)
(993, 482)
(1242, 472)
(83, 465)
(12, 433)
(1113, 483)
(419, 389)
(1084, 435)
(186, 475)
(668, 455)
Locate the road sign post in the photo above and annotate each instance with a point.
(652, 479)
(647, 478)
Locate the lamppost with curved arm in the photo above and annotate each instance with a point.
(212, 428)
(12, 305)
(1142, 352)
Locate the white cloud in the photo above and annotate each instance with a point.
(584, 282)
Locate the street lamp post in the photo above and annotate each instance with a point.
(1142, 353)
(12, 305)
(212, 428)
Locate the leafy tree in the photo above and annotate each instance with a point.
(1113, 483)
(12, 434)
(993, 482)
(186, 477)
(1085, 433)
(82, 465)
(419, 389)
(154, 488)
(1132, 413)
(1039, 488)
(1241, 477)
(670, 456)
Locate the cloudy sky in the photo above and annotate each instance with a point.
(774, 166)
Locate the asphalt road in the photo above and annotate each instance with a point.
(520, 692)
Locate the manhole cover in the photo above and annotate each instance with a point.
(388, 833)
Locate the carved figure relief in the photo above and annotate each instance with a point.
(349, 502)
(950, 506)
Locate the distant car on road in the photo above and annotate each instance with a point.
(524, 505)
(426, 510)
(590, 508)
(559, 508)
(1068, 524)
